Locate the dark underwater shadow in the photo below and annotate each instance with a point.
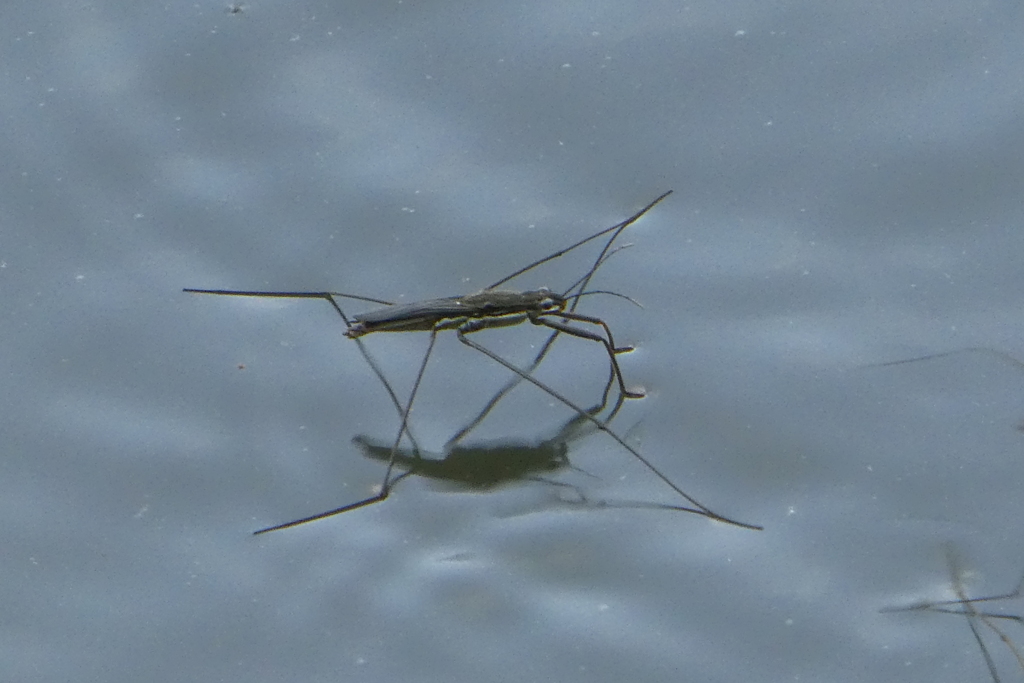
(488, 465)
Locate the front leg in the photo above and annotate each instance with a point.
(609, 345)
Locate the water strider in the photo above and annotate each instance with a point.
(488, 309)
(966, 606)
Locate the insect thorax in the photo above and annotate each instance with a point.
(495, 302)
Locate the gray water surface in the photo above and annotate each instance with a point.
(847, 192)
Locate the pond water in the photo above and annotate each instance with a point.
(846, 193)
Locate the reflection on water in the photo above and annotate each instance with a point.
(486, 465)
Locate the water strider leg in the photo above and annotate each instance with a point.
(388, 483)
(616, 229)
(965, 606)
(579, 287)
(608, 342)
(703, 510)
(956, 574)
(615, 373)
(509, 386)
(329, 298)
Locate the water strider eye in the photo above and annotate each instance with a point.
(550, 304)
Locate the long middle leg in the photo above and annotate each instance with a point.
(388, 483)
(608, 342)
(579, 287)
(602, 425)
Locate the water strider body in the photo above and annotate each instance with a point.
(423, 316)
